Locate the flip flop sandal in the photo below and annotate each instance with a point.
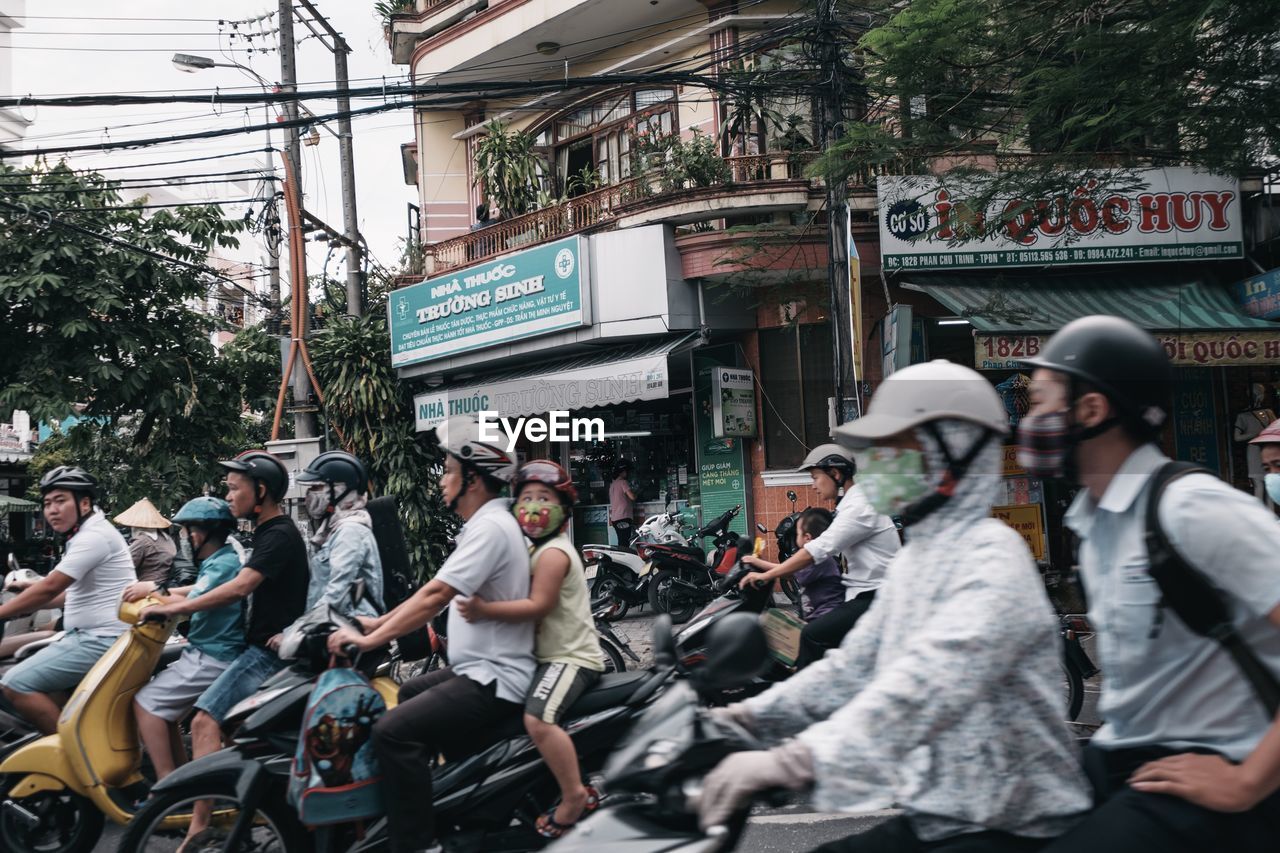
(548, 827)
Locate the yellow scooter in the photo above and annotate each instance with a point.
(58, 789)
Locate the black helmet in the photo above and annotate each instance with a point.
(1120, 360)
(71, 478)
(262, 467)
(334, 467)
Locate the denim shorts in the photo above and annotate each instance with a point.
(58, 666)
(239, 681)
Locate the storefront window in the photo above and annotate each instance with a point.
(795, 370)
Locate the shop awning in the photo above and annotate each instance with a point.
(8, 503)
(1008, 302)
(621, 374)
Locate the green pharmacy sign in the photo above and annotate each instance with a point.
(534, 292)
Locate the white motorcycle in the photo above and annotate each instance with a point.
(619, 577)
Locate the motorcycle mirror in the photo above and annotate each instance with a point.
(13, 563)
(761, 527)
(736, 652)
(791, 495)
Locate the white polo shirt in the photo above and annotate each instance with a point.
(98, 562)
(866, 540)
(1163, 684)
(491, 560)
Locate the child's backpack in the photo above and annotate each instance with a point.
(335, 775)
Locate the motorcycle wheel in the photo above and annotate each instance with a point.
(660, 598)
(604, 590)
(275, 826)
(613, 661)
(65, 823)
(1073, 686)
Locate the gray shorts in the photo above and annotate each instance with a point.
(555, 687)
(58, 666)
(173, 693)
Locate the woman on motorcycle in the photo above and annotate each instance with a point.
(944, 700)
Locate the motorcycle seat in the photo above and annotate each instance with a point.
(613, 689)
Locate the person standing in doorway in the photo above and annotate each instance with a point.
(622, 504)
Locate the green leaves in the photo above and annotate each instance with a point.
(507, 167)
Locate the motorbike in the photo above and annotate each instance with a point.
(488, 800)
(693, 641)
(684, 576)
(655, 775)
(58, 788)
(785, 533)
(1077, 666)
(620, 577)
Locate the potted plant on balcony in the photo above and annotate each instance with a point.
(384, 9)
(507, 169)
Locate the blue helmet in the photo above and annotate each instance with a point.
(206, 511)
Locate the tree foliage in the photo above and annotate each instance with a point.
(103, 332)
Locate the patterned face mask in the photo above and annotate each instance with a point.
(1043, 444)
(892, 478)
(539, 519)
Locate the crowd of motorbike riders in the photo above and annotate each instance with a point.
(932, 687)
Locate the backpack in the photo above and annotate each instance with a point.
(1192, 596)
(397, 585)
(335, 777)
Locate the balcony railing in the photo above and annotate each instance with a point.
(599, 208)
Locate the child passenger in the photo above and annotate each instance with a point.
(568, 653)
(821, 589)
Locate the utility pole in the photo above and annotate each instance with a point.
(831, 120)
(304, 422)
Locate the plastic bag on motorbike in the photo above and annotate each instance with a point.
(335, 776)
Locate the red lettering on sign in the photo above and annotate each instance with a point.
(1218, 204)
(1115, 214)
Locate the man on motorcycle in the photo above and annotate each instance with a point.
(492, 662)
(275, 583)
(865, 539)
(944, 700)
(86, 583)
(1189, 757)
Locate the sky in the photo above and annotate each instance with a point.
(83, 50)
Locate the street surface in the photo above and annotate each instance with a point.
(794, 827)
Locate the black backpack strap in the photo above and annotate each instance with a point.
(1193, 597)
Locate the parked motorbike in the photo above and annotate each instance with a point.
(620, 577)
(1076, 663)
(654, 777)
(41, 625)
(684, 577)
(488, 800)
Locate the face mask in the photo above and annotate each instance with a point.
(892, 478)
(1044, 442)
(539, 519)
(317, 504)
(1272, 482)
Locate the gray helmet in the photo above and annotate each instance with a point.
(916, 395)
(71, 478)
(830, 456)
(459, 436)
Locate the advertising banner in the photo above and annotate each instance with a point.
(1259, 295)
(722, 462)
(1180, 214)
(1196, 436)
(733, 402)
(540, 290)
(1197, 349)
(1028, 522)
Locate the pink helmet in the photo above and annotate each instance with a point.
(1270, 435)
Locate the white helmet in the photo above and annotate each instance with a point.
(829, 456)
(921, 393)
(459, 436)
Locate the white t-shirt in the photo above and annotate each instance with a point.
(491, 560)
(97, 561)
(866, 540)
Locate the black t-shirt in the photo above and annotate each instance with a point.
(280, 555)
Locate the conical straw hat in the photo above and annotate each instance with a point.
(143, 514)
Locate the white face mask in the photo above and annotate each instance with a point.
(317, 503)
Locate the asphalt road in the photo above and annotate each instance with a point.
(788, 829)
